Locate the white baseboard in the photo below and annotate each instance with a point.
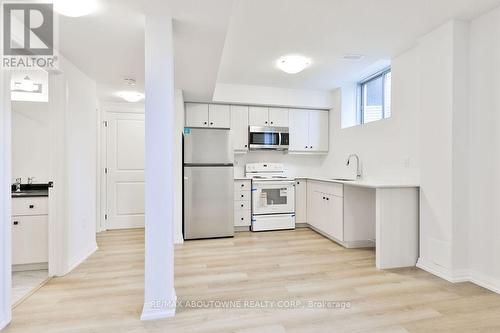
(485, 281)
(472, 276)
(81, 258)
(178, 239)
(443, 272)
(159, 309)
(4, 324)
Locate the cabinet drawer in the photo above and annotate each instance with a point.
(29, 239)
(242, 196)
(242, 185)
(241, 205)
(242, 218)
(30, 206)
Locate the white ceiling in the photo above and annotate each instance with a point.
(261, 31)
(237, 41)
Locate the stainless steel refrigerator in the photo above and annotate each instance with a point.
(208, 184)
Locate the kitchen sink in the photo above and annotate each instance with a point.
(343, 179)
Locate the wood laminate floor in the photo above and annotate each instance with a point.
(105, 293)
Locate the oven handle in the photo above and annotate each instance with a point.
(260, 184)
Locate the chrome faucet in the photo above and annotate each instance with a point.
(30, 180)
(358, 168)
(18, 184)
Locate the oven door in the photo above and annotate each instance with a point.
(273, 197)
(275, 138)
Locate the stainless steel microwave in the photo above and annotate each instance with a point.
(267, 137)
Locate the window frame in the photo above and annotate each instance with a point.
(361, 94)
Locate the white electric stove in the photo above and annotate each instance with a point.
(273, 197)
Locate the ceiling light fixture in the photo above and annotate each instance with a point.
(76, 8)
(26, 85)
(131, 96)
(293, 64)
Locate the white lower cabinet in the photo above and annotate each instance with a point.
(345, 214)
(242, 203)
(30, 231)
(325, 211)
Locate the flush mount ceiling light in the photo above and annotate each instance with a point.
(26, 85)
(293, 64)
(76, 8)
(131, 96)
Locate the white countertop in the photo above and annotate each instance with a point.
(360, 183)
(363, 183)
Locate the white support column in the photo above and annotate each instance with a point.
(5, 201)
(159, 292)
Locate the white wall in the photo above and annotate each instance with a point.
(73, 149)
(484, 150)
(30, 141)
(258, 95)
(5, 200)
(388, 149)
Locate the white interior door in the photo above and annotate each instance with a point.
(125, 177)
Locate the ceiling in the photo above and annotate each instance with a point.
(261, 31)
(237, 41)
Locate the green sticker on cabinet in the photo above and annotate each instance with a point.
(187, 130)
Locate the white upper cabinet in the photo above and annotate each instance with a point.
(318, 131)
(258, 116)
(278, 117)
(219, 116)
(239, 127)
(196, 115)
(299, 130)
(308, 130)
(264, 116)
(205, 115)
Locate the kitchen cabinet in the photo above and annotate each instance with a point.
(264, 116)
(30, 230)
(239, 128)
(325, 212)
(300, 201)
(219, 116)
(208, 115)
(242, 204)
(309, 131)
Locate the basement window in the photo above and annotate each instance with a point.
(374, 97)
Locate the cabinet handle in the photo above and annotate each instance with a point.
(32, 206)
(16, 222)
(307, 147)
(324, 198)
(242, 205)
(242, 185)
(242, 218)
(265, 122)
(272, 123)
(311, 147)
(298, 183)
(211, 123)
(204, 123)
(242, 196)
(327, 199)
(246, 146)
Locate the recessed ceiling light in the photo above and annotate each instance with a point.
(131, 96)
(293, 64)
(76, 8)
